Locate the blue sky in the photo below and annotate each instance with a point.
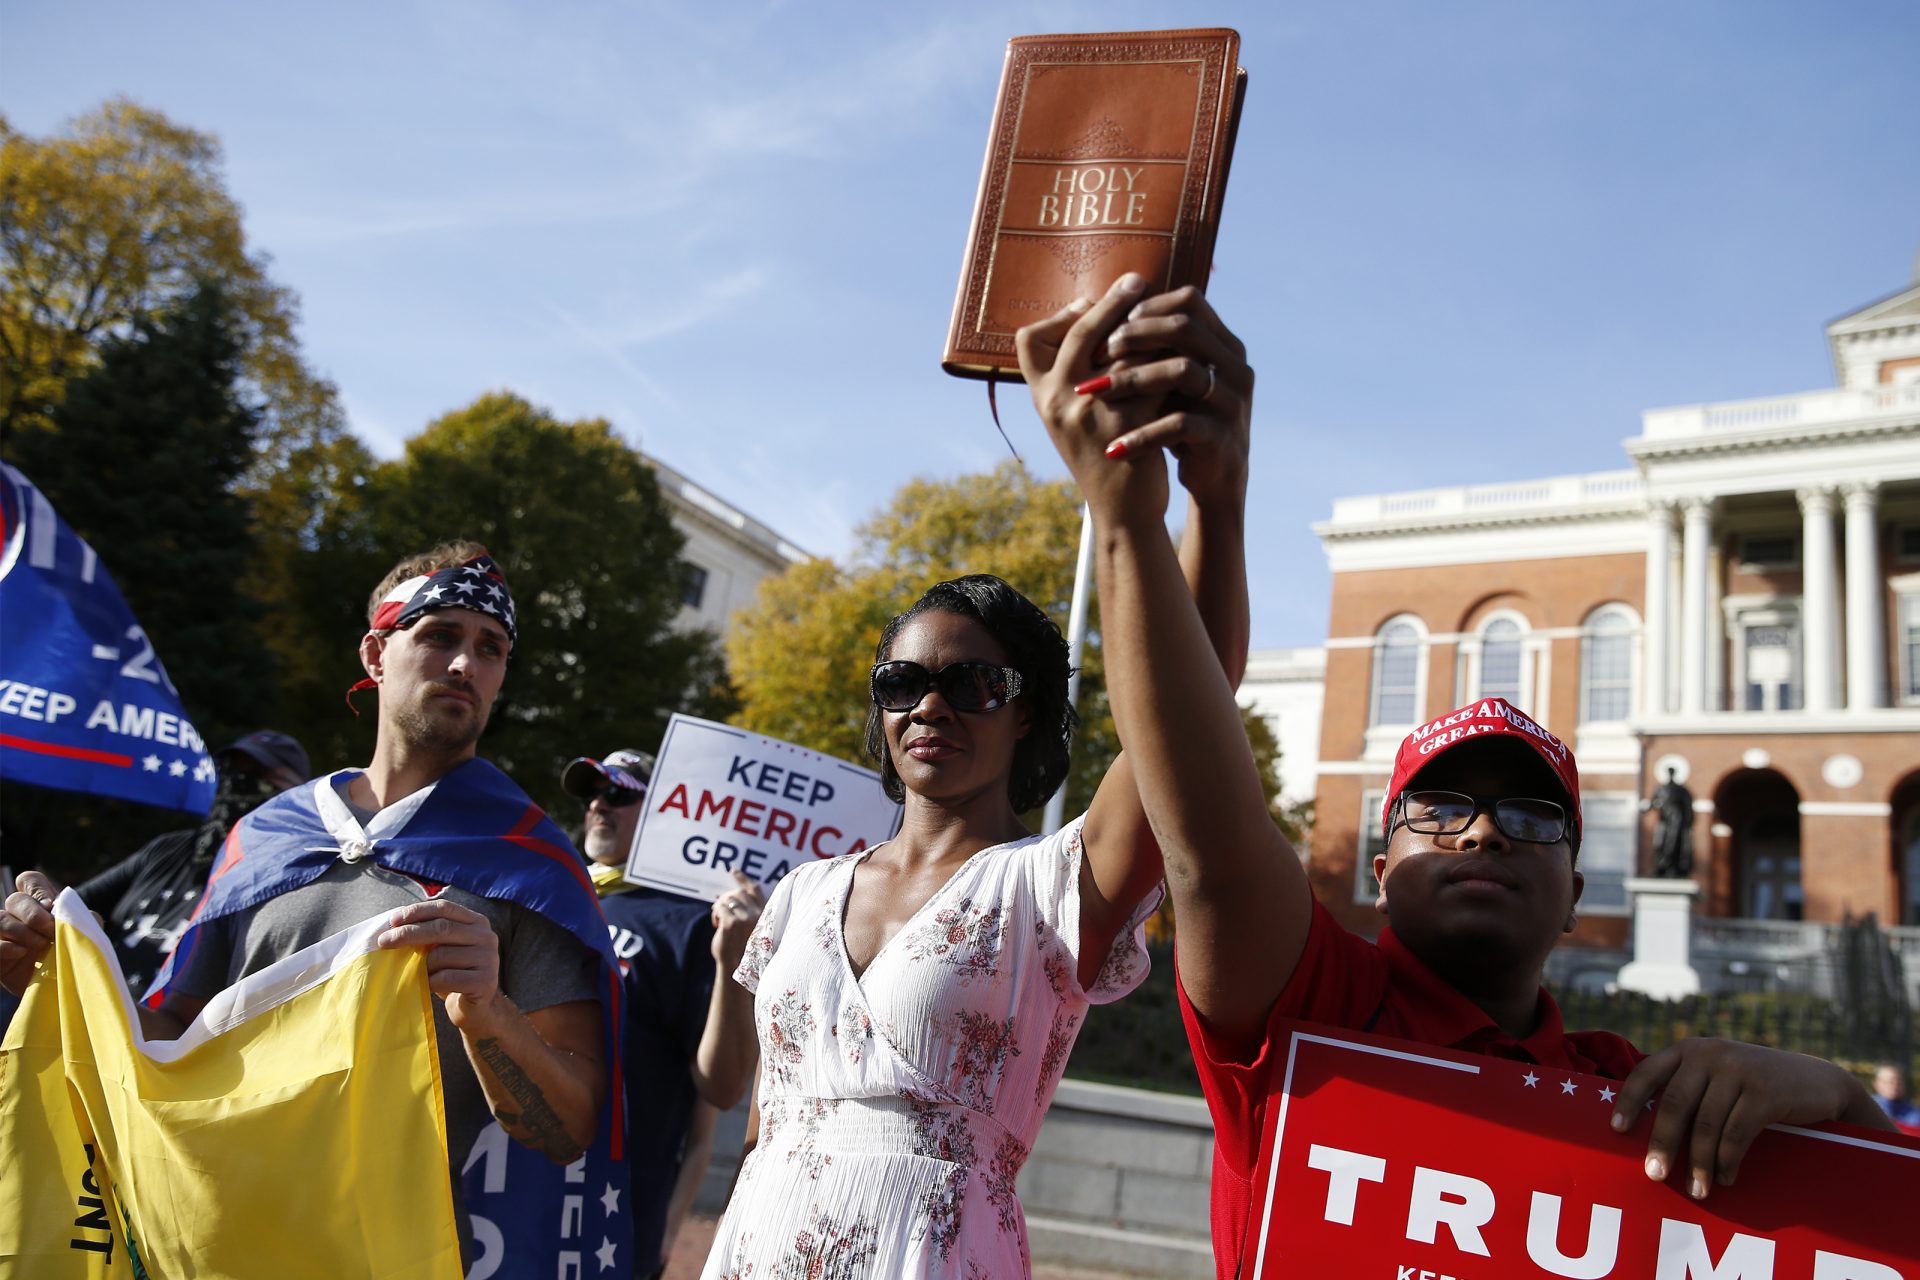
(1463, 241)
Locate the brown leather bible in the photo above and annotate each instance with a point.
(1108, 154)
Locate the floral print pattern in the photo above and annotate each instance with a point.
(963, 936)
(784, 1038)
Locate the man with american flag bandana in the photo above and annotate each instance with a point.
(474, 874)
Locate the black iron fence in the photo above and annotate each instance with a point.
(1856, 1013)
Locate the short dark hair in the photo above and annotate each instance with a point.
(1037, 651)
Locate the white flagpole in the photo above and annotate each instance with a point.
(1076, 633)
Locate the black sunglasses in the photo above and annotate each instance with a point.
(967, 686)
(1448, 813)
(614, 797)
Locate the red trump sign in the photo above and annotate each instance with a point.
(1384, 1160)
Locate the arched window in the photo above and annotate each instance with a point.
(1606, 664)
(1500, 665)
(1398, 651)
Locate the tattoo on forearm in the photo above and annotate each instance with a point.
(536, 1119)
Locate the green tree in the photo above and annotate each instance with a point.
(799, 655)
(579, 526)
(148, 445)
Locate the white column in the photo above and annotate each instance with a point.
(1866, 624)
(1819, 601)
(1696, 623)
(1658, 634)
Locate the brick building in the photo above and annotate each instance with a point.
(1742, 606)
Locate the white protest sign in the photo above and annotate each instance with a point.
(723, 799)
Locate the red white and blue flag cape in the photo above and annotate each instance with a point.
(477, 830)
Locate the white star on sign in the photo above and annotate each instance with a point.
(610, 1201)
(1530, 1080)
(1606, 1095)
(203, 772)
(1568, 1086)
(151, 764)
(178, 768)
(604, 1253)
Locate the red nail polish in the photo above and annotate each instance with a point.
(1094, 386)
(1118, 449)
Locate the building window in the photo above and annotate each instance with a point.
(1606, 664)
(1770, 887)
(1500, 662)
(1397, 653)
(1366, 889)
(1906, 544)
(1769, 551)
(694, 593)
(1772, 652)
(1607, 851)
(1908, 604)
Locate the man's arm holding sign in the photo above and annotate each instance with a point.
(542, 1072)
(1717, 1095)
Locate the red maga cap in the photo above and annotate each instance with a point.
(1475, 721)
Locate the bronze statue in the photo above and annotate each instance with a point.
(1672, 804)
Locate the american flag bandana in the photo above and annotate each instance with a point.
(475, 585)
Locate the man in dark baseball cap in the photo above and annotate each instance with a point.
(611, 788)
(147, 898)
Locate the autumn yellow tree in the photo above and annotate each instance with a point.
(118, 219)
(114, 223)
(799, 655)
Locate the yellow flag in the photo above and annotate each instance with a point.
(297, 1129)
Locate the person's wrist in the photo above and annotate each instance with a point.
(481, 1016)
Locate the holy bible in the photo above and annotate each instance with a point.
(1108, 153)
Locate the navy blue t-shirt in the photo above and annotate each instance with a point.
(663, 942)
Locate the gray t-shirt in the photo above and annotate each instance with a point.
(541, 964)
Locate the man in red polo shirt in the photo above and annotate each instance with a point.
(1479, 877)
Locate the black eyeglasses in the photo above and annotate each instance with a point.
(615, 797)
(967, 686)
(1448, 813)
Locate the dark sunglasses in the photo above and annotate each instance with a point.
(1448, 813)
(615, 797)
(967, 686)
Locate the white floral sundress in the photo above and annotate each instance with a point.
(897, 1108)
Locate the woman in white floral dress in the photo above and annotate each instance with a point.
(916, 1002)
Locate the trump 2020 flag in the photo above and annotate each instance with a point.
(84, 703)
(296, 1129)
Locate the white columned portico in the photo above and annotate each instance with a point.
(1866, 624)
(1659, 586)
(1696, 625)
(1820, 603)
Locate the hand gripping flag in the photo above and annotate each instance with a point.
(84, 703)
(475, 829)
(294, 1130)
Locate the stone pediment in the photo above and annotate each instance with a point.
(1864, 343)
(1895, 309)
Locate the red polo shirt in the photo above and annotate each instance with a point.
(1345, 981)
